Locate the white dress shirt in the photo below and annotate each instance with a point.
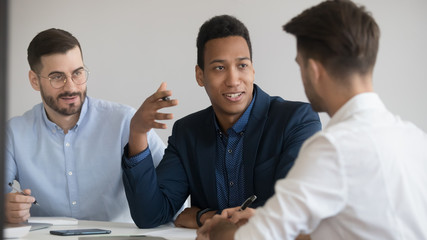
(363, 177)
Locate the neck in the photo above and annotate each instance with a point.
(339, 94)
(226, 122)
(65, 122)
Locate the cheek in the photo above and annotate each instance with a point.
(250, 77)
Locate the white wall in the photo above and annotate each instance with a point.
(130, 46)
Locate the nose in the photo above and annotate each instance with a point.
(69, 83)
(233, 77)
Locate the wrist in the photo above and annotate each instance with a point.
(199, 215)
(137, 143)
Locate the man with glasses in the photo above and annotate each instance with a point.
(66, 151)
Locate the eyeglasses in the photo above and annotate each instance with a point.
(58, 80)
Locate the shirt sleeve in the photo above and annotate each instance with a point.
(130, 162)
(156, 148)
(10, 164)
(156, 194)
(314, 189)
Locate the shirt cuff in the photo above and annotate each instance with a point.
(130, 162)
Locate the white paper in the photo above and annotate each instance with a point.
(54, 220)
(15, 230)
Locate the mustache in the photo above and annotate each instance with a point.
(70, 94)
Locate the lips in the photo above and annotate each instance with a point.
(69, 98)
(234, 96)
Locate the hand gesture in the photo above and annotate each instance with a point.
(146, 118)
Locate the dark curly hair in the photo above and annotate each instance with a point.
(220, 27)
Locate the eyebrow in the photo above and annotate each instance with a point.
(77, 69)
(222, 60)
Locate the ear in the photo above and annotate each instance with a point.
(313, 69)
(34, 80)
(317, 71)
(199, 76)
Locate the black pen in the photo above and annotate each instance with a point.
(247, 203)
(21, 192)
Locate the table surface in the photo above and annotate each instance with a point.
(168, 231)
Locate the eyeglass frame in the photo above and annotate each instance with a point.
(66, 77)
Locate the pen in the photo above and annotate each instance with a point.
(248, 202)
(166, 98)
(21, 192)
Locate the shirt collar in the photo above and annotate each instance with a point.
(51, 125)
(240, 125)
(360, 102)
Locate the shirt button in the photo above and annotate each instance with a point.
(70, 173)
(67, 144)
(74, 203)
(231, 184)
(229, 151)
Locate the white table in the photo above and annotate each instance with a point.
(117, 229)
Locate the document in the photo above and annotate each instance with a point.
(54, 220)
(135, 237)
(15, 230)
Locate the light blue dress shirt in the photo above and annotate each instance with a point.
(77, 174)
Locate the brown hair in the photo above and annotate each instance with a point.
(48, 42)
(339, 34)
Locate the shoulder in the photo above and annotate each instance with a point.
(108, 107)
(278, 107)
(28, 118)
(283, 107)
(197, 118)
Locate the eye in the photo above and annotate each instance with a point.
(78, 73)
(56, 77)
(243, 65)
(219, 68)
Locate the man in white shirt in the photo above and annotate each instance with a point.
(363, 176)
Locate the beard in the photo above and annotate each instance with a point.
(314, 98)
(71, 109)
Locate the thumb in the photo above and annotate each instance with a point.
(27, 191)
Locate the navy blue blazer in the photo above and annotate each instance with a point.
(275, 132)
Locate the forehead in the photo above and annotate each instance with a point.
(224, 48)
(68, 61)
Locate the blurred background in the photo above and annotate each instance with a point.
(131, 46)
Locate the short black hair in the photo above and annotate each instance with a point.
(220, 27)
(48, 42)
(344, 37)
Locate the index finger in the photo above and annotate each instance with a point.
(161, 93)
(19, 198)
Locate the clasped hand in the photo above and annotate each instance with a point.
(225, 225)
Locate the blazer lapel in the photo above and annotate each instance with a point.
(253, 136)
(206, 155)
